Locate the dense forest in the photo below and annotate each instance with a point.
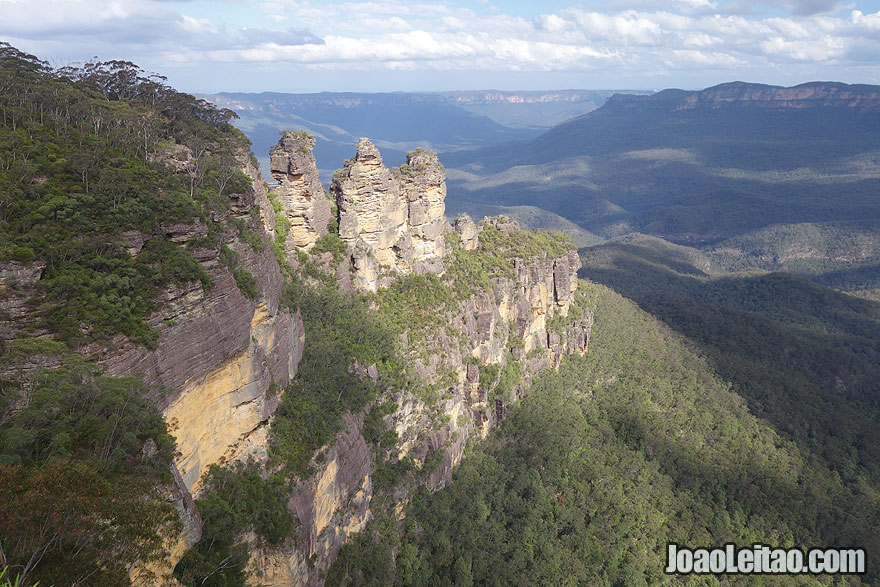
(637, 444)
(803, 356)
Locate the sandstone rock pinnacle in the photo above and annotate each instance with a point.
(393, 223)
(423, 180)
(467, 229)
(299, 190)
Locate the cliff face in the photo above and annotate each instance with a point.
(221, 359)
(507, 328)
(392, 223)
(224, 349)
(497, 337)
(330, 506)
(863, 98)
(299, 191)
(810, 95)
(218, 352)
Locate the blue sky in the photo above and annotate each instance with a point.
(390, 45)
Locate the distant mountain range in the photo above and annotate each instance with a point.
(398, 122)
(745, 169)
(750, 173)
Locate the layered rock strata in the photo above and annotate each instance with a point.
(299, 190)
(218, 352)
(527, 318)
(392, 223)
(221, 357)
(330, 506)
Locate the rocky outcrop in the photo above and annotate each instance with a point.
(393, 224)
(217, 355)
(423, 183)
(299, 190)
(331, 506)
(467, 231)
(522, 324)
(494, 341)
(217, 352)
(221, 358)
(18, 282)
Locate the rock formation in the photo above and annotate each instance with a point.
(218, 356)
(862, 98)
(330, 506)
(392, 223)
(423, 182)
(18, 282)
(218, 352)
(299, 190)
(467, 231)
(531, 318)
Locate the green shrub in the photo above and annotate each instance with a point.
(75, 413)
(23, 254)
(75, 186)
(246, 283)
(234, 500)
(343, 329)
(330, 243)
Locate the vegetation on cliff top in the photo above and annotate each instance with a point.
(415, 304)
(83, 153)
(100, 166)
(344, 332)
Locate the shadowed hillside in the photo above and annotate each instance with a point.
(805, 357)
(699, 168)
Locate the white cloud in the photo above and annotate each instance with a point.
(683, 36)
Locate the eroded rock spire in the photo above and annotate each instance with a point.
(299, 191)
(393, 223)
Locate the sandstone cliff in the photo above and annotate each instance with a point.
(496, 340)
(862, 98)
(218, 352)
(392, 223)
(299, 190)
(474, 354)
(224, 346)
(223, 354)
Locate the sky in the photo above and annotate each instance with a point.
(389, 45)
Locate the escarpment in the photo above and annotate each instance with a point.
(494, 340)
(218, 351)
(474, 312)
(480, 310)
(810, 95)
